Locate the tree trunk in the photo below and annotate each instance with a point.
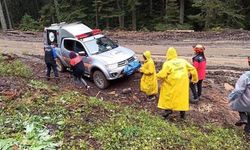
(57, 10)
(2, 19)
(182, 11)
(166, 9)
(162, 12)
(8, 14)
(96, 15)
(166, 6)
(107, 23)
(151, 8)
(134, 19)
(120, 16)
(37, 7)
(53, 18)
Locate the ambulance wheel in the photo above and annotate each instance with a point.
(60, 66)
(100, 80)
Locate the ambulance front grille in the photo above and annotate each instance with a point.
(125, 62)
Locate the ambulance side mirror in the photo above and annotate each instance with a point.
(82, 53)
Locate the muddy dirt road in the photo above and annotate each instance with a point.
(212, 107)
(226, 55)
(222, 49)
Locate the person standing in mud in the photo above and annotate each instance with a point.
(78, 69)
(174, 93)
(239, 100)
(50, 60)
(149, 84)
(199, 62)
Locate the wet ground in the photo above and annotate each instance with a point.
(226, 55)
(213, 105)
(229, 48)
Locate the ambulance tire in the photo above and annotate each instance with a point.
(60, 66)
(100, 80)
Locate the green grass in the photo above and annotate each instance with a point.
(15, 68)
(70, 120)
(140, 130)
(45, 117)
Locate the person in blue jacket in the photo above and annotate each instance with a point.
(50, 60)
(239, 100)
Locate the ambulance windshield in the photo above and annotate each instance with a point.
(100, 45)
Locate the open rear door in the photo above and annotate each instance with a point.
(51, 36)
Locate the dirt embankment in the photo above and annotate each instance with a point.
(226, 57)
(212, 108)
(229, 48)
(145, 38)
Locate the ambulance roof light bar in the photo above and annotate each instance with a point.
(85, 35)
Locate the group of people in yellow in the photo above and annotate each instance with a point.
(174, 78)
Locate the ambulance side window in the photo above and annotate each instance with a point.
(69, 44)
(79, 47)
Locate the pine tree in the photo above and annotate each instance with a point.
(106, 10)
(2, 18)
(132, 5)
(8, 14)
(120, 7)
(72, 11)
(214, 13)
(48, 13)
(182, 8)
(57, 9)
(172, 12)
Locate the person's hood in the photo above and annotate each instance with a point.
(171, 53)
(147, 54)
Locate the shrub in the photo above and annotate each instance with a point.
(217, 29)
(29, 24)
(164, 27)
(16, 68)
(35, 137)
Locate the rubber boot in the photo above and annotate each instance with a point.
(195, 101)
(167, 113)
(247, 126)
(243, 119)
(182, 114)
(47, 78)
(150, 97)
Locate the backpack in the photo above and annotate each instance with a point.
(131, 67)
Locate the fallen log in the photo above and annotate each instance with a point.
(29, 32)
(180, 31)
(13, 32)
(9, 56)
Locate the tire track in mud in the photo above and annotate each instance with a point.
(212, 107)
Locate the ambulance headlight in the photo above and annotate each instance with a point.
(135, 57)
(112, 66)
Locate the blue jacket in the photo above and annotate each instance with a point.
(240, 96)
(50, 54)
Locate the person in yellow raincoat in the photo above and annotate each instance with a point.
(149, 83)
(174, 93)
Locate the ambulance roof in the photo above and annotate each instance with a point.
(76, 29)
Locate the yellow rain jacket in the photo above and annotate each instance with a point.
(174, 93)
(149, 83)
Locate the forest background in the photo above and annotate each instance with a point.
(141, 15)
